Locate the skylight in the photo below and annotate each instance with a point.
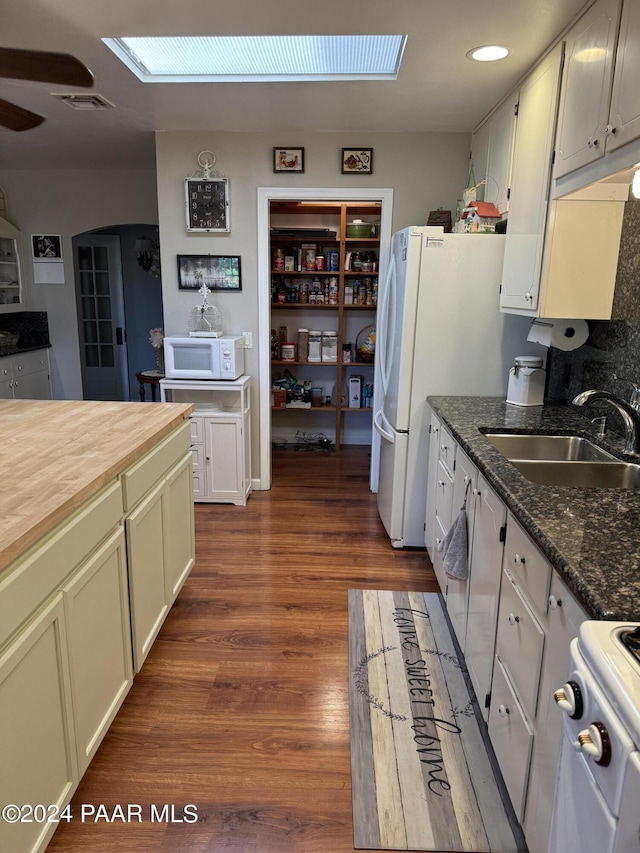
(185, 59)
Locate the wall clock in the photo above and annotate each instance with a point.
(207, 197)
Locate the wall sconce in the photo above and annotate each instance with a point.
(144, 253)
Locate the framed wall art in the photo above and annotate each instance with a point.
(218, 272)
(207, 204)
(46, 247)
(357, 161)
(288, 159)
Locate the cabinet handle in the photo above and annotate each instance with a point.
(503, 711)
(513, 619)
(466, 481)
(592, 143)
(441, 483)
(610, 130)
(438, 541)
(518, 560)
(443, 448)
(554, 602)
(19, 367)
(476, 493)
(528, 297)
(208, 458)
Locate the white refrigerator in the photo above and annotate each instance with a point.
(439, 332)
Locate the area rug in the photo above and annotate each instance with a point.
(422, 774)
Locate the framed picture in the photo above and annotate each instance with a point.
(46, 247)
(357, 161)
(288, 159)
(207, 204)
(218, 272)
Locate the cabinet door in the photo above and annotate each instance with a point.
(465, 482)
(178, 527)
(36, 730)
(625, 100)
(498, 175)
(224, 462)
(564, 619)
(586, 88)
(99, 636)
(484, 587)
(432, 476)
(146, 556)
(33, 386)
(530, 180)
(6, 389)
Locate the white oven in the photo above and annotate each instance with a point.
(204, 357)
(597, 805)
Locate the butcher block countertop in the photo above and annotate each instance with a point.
(54, 454)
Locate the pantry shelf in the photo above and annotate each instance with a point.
(323, 282)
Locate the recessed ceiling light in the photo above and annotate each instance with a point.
(255, 58)
(488, 53)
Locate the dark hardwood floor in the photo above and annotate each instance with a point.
(242, 705)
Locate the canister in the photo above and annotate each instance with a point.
(288, 351)
(526, 381)
(303, 344)
(315, 345)
(330, 346)
(332, 260)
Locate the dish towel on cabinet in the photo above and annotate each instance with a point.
(454, 546)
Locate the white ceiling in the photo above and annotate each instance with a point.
(438, 88)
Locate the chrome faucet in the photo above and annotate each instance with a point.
(634, 399)
(630, 416)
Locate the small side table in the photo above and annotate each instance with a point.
(151, 378)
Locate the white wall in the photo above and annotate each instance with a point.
(425, 170)
(69, 203)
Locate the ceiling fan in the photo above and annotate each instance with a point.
(40, 66)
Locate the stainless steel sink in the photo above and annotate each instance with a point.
(561, 448)
(583, 475)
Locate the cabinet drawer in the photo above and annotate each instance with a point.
(197, 456)
(142, 476)
(30, 362)
(520, 643)
(197, 430)
(511, 737)
(527, 564)
(447, 448)
(32, 579)
(444, 496)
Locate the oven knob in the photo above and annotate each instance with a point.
(226, 352)
(226, 365)
(569, 698)
(595, 742)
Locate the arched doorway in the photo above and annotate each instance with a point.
(119, 301)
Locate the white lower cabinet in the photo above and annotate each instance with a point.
(68, 610)
(220, 436)
(25, 376)
(160, 550)
(514, 619)
(99, 635)
(511, 737)
(37, 740)
(484, 588)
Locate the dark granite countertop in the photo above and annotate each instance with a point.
(590, 536)
(6, 351)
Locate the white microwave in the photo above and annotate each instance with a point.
(204, 358)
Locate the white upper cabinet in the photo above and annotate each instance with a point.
(583, 121)
(491, 154)
(625, 100)
(10, 272)
(530, 182)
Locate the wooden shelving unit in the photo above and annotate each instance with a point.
(343, 318)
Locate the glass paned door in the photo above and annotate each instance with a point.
(101, 318)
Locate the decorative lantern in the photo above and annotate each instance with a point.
(205, 320)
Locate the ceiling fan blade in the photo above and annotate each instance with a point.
(44, 67)
(17, 118)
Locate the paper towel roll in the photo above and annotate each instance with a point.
(563, 334)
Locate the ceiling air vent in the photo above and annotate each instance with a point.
(85, 102)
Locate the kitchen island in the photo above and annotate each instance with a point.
(590, 536)
(96, 540)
